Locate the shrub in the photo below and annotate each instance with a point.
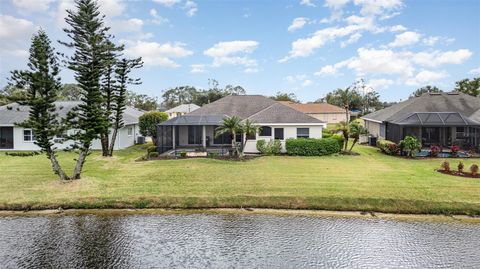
(153, 154)
(326, 133)
(435, 150)
(454, 150)
(312, 147)
(388, 147)
(213, 154)
(474, 169)
(446, 166)
(183, 154)
(148, 123)
(460, 167)
(22, 153)
(262, 146)
(411, 145)
(339, 139)
(151, 149)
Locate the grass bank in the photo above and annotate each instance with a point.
(370, 182)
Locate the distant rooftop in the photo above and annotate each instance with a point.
(183, 108)
(314, 108)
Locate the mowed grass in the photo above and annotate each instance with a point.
(369, 182)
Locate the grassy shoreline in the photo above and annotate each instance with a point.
(369, 182)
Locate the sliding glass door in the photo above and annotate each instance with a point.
(6, 137)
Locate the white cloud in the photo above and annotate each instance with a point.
(405, 39)
(373, 61)
(336, 4)
(475, 71)
(397, 28)
(307, 3)
(307, 83)
(376, 7)
(351, 40)
(300, 79)
(297, 23)
(378, 84)
(437, 58)
(157, 19)
(232, 53)
(425, 77)
(167, 3)
(191, 8)
(431, 41)
(32, 5)
(15, 28)
(197, 68)
(111, 8)
(156, 54)
(327, 71)
(251, 70)
(130, 25)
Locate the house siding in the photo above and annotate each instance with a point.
(376, 129)
(330, 117)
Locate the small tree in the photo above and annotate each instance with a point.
(411, 145)
(148, 123)
(42, 85)
(231, 125)
(356, 130)
(249, 129)
(344, 128)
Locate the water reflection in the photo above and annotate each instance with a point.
(219, 241)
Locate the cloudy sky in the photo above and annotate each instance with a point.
(308, 47)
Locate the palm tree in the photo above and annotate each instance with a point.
(343, 127)
(346, 97)
(356, 130)
(249, 128)
(231, 125)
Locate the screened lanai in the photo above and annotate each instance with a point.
(436, 128)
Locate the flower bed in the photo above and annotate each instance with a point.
(446, 169)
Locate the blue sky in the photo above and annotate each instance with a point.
(305, 47)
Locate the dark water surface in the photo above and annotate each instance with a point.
(234, 241)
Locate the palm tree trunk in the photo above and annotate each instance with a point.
(355, 140)
(112, 143)
(80, 162)
(55, 165)
(104, 142)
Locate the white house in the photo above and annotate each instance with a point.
(181, 110)
(197, 129)
(14, 137)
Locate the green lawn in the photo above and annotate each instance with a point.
(369, 182)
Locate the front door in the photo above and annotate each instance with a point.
(6, 137)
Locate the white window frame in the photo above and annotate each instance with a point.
(303, 128)
(31, 135)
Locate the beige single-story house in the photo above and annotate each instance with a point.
(197, 129)
(14, 137)
(181, 110)
(322, 111)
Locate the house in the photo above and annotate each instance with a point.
(14, 137)
(322, 111)
(197, 129)
(434, 118)
(181, 110)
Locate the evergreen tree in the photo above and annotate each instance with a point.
(89, 39)
(42, 84)
(119, 97)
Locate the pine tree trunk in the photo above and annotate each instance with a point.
(80, 162)
(104, 142)
(56, 166)
(112, 143)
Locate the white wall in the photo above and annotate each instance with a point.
(330, 117)
(289, 131)
(123, 140)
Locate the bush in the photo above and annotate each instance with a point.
(213, 154)
(183, 154)
(262, 146)
(153, 154)
(434, 151)
(454, 150)
(339, 139)
(446, 166)
(388, 147)
(326, 133)
(460, 167)
(474, 169)
(312, 147)
(411, 145)
(151, 149)
(22, 153)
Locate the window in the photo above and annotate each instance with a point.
(28, 135)
(265, 131)
(194, 134)
(279, 133)
(252, 136)
(303, 132)
(225, 138)
(130, 131)
(460, 132)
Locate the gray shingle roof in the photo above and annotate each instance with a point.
(14, 113)
(255, 107)
(183, 108)
(466, 105)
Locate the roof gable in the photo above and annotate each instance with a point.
(314, 108)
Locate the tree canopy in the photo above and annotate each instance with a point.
(424, 89)
(467, 86)
(284, 96)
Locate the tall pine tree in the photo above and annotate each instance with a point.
(122, 71)
(89, 39)
(42, 84)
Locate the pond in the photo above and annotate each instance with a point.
(234, 241)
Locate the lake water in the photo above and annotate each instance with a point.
(234, 241)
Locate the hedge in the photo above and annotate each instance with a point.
(388, 147)
(312, 146)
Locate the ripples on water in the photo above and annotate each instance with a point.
(234, 241)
